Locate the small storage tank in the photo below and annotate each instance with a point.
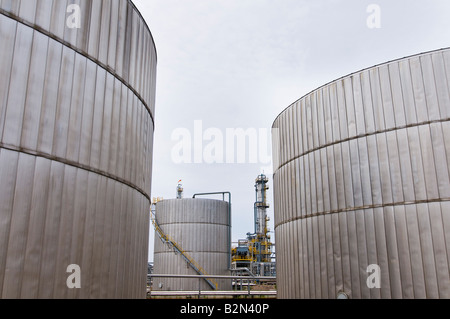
(361, 184)
(200, 231)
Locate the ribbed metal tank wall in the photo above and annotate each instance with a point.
(201, 228)
(361, 178)
(76, 139)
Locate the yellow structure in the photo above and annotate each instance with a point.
(255, 253)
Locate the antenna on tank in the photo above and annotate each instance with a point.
(179, 190)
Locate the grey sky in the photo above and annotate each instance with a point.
(239, 63)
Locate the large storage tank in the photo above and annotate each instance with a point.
(361, 178)
(201, 228)
(76, 139)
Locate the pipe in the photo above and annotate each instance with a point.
(229, 219)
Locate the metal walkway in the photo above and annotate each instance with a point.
(177, 249)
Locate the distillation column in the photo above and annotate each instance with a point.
(261, 206)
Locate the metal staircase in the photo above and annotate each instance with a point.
(178, 250)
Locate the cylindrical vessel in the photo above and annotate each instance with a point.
(77, 92)
(361, 178)
(200, 227)
(261, 205)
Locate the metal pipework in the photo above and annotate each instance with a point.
(260, 205)
(255, 216)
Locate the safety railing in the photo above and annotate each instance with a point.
(239, 280)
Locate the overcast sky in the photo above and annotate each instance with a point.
(238, 63)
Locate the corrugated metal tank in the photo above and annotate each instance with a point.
(76, 139)
(361, 177)
(201, 228)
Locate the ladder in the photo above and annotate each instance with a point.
(177, 249)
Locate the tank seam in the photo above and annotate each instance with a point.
(73, 164)
(363, 136)
(82, 53)
(354, 209)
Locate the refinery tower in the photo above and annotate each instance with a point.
(255, 253)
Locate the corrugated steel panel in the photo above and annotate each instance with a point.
(369, 185)
(76, 139)
(201, 228)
